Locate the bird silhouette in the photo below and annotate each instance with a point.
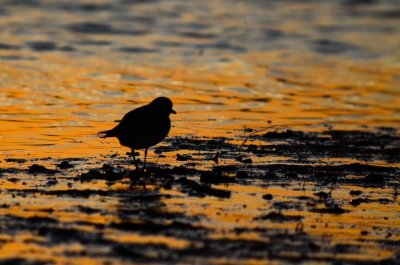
(143, 127)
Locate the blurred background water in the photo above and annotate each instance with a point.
(70, 68)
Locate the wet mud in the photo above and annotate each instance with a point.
(325, 197)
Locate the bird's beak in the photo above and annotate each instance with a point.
(173, 111)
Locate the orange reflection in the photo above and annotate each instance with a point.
(225, 68)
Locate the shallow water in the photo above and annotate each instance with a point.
(69, 69)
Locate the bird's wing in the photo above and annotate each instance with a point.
(134, 116)
(136, 120)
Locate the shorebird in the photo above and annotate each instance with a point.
(143, 127)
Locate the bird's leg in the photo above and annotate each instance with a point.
(145, 156)
(133, 175)
(134, 158)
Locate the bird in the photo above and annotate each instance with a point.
(143, 127)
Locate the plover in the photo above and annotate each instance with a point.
(143, 127)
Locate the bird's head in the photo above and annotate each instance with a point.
(163, 104)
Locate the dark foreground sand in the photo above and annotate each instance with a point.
(282, 196)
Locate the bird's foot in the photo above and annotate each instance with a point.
(136, 177)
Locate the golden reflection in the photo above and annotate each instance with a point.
(143, 239)
(70, 116)
(246, 203)
(226, 65)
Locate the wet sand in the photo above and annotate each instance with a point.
(283, 196)
(285, 148)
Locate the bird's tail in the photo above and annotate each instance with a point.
(105, 134)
